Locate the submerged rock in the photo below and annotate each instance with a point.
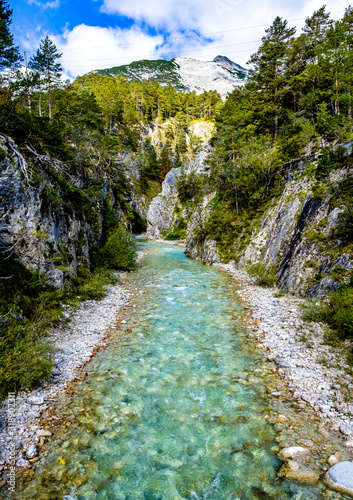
(292, 470)
(293, 452)
(340, 477)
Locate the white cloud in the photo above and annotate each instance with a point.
(54, 4)
(240, 24)
(86, 48)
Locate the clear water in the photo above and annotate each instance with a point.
(178, 408)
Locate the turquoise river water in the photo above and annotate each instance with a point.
(175, 409)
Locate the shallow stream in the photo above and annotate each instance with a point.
(175, 409)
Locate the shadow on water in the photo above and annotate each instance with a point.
(174, 410)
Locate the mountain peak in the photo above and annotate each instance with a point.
(185, 74)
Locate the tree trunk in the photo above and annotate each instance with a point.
(336, 100)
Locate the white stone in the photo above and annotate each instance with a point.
(31, 451)
(294, 452)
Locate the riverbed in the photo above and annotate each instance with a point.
(177, 407)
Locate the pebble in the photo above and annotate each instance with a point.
(36, 400)
(292, 470)
(31, 451)
(293, 452)
(346, 429)
(333, 460)
(43, 433)
(23, 463)
(349, 444)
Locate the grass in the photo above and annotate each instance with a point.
(280, 293)
(337, 313)
(262, 275)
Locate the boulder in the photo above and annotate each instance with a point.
(340, 477)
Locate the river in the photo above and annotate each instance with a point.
(178, 407)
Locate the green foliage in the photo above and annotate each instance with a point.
(332, 160)
(337, 311)
(94, 287)
(9, 54)
(118, 252)
(178, 232)
(25, 356)
(28, 309)
(189, 186)
(340, 311)
(262, 275)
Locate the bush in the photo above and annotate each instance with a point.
(262, 275)
(118, 252)
(340, 311)
(94, 287)
(26, 358)
(178, 232)
(337, 312)
(314, 310)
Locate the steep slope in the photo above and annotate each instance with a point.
(185, 74)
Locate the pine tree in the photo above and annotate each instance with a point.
(347, 22)
(44, 62)
(268, 72)
(9, 54)
(315, 30)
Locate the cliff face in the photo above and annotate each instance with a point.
(161, 209)
(35, 229)
(294, 237)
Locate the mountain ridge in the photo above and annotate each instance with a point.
(185, 74)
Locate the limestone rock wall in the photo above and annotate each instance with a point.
(292, 235)
(161, 209)
(36, 234)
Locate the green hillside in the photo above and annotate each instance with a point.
(164, 72)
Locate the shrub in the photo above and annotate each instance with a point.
(337, 312)
(314, 310)
(25, 356)
(178, 232)
(340, 311)
(262, 275)
(118, 252)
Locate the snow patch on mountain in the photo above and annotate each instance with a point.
(221, 75)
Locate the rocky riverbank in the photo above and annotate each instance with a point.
(317, 385)
(87, 331)
(317, 373)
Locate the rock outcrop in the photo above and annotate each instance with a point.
(48, 221)
(161, 209)
(31, 229)
(291, 238)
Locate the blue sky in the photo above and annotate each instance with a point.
(95, 34)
